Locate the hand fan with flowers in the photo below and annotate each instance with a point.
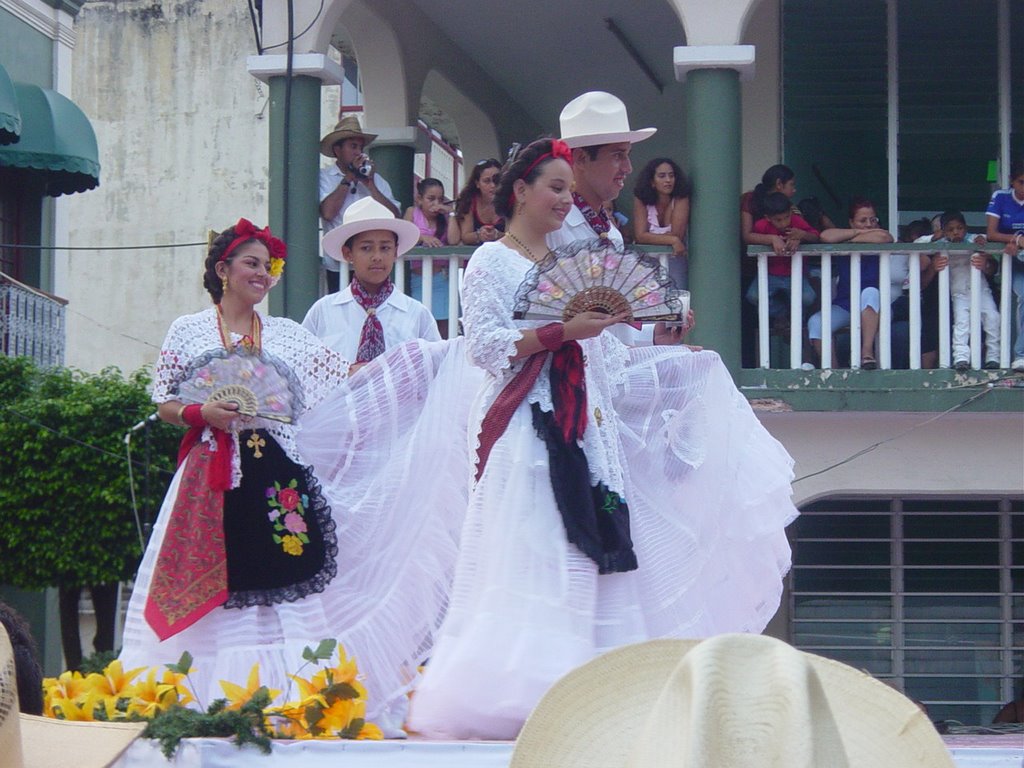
(259, 384)
(598, 276)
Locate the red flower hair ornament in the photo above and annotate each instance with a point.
(559, 149)
(245, 231)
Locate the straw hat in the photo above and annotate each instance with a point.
(742, 701)
(595, 118)
(346, 128)
(364, 215)
(27, 741)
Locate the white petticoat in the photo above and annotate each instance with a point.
(708, 491)
(392, 428)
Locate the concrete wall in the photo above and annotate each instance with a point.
(762, 96)
(182, 132)
(956, 454)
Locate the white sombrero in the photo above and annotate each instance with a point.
(28, 741)
(365, 215)
(595, 118)
(742, 701)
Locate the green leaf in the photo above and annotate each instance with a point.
(324, 651)
(183, 666)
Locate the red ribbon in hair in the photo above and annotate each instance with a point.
(559, 149)
(245, 230)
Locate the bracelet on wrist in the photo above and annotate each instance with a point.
(192, 416)
(551, 336)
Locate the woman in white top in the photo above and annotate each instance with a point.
(620, 494)
(661, 212)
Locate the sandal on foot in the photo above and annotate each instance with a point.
(868, 363)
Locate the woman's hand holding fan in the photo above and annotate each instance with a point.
(251, 385)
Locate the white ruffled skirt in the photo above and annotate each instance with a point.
(389, 450)
(708, 491)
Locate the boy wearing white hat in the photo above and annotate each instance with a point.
(352, 177)
(369, 315)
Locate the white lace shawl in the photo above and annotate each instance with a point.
(492, 278)
(318, 369)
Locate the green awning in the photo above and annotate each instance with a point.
(57, 140)
(10, 115)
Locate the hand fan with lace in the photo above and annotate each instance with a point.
(259, 384)
(598, 276)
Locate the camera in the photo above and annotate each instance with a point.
(364, 167)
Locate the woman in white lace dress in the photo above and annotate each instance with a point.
(249, 561)
(622, 493)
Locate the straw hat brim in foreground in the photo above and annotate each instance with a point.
(660, 705)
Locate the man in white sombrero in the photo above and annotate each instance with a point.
(350, 178)
(595, 125)
(30, 741)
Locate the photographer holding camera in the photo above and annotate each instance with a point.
(352, 177)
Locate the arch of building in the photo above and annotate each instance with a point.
(477, 134)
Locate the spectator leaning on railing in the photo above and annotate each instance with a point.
(863, 229)
(780, 221)
(954, 230)
(1005, 215)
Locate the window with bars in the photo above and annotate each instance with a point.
(927, 594)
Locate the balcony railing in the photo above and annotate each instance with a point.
(31, 323)
(454, 259)
(829, 254)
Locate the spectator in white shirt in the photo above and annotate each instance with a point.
(352, 177)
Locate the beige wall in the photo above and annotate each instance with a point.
(182, 133)
(956, 454)
(762, 97)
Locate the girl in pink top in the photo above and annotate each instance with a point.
(431, 215)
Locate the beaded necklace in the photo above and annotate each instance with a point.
(251, 342)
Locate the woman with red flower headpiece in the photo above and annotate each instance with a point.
(621, 494)
(243, 566)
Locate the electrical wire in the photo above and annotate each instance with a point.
(904, 433)
(99, 247)
(62, 436)
(292, 38)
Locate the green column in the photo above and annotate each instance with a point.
(299, 287)
(714, 148)
(395, 163)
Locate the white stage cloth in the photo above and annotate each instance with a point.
(968, 752)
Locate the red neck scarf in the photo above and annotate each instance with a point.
(598, 220)
(371, 338)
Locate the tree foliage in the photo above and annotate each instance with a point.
(65, 502)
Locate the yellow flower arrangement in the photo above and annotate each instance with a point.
(331, 703)
(276, 266)
(113, 695)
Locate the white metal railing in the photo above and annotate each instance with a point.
(455, 258)
(31, 323)
(828, 255)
